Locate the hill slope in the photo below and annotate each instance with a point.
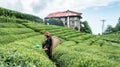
(19, 15)
(18, 38)
(17, 47)
(80, 49)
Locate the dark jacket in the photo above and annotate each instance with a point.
(48, 45)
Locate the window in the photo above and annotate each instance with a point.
(72, 23)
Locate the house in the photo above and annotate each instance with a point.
(70, 19)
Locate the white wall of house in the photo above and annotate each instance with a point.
(63, 20)
(75, 22)
(72, 22)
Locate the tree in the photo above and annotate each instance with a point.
(109, 29)
(117, 27)
(87, 27)
(54, 22)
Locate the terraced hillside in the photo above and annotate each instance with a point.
(80, 49)
(18, 40)
(14, 14)
(19, 37)
(17, 47)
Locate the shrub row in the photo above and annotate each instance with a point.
(11, 13)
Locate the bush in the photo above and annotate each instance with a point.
(87, 27)
(54, 22)
(76, 28)
(11, 25)
(4, 19)
(19, 15)
(22, 53)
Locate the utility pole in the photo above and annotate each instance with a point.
(68, 18)
(103, 21)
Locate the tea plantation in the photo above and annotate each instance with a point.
(18, 38)
(80, 49)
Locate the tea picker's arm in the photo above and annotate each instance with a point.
(43, 44)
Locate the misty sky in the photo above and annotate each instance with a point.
(92, 10)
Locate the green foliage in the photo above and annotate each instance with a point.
(11, 13)
(76, 51)
(23, 53)
(18, 41)
(4, 19)
(11, 25)
(117, 27)
(76, 28)
(87, 27)
(111, 29)
(17, 47)
(70, 55)
(4, 39)
(54, 22)
(8, 31)
(113, 37)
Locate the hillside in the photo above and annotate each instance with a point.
(18, 38)
(14, 14)
(80, 49)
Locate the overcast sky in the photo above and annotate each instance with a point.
(92, 10)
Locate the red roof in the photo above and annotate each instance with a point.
(63, 14)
